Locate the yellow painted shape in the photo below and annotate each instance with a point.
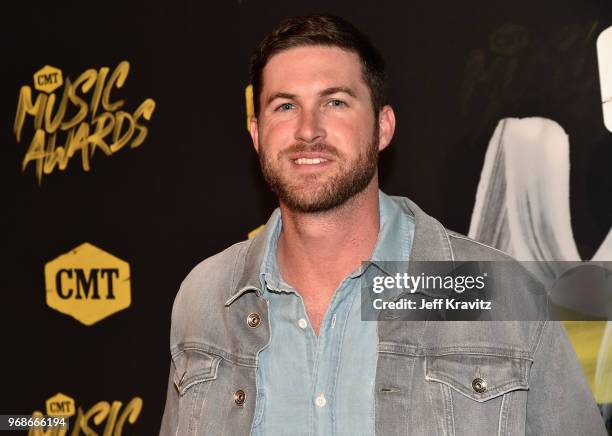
(60, 405)
(88, 284)
(585, 337)
(250, 108)
(254, 232)
(48, 79)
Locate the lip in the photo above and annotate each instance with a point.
(310, 155)
(310, 168)
(325, 160)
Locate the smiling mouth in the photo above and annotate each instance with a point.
(307, 161)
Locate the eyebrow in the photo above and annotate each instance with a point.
(280, 95)
(337, 89)
(324, 93)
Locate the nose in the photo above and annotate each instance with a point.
(309, 128)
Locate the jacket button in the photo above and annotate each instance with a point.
(253, 320)
(239, 397)
(479, 385)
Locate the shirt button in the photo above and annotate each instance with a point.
(302, 323)
(253, 320)
(320, 401)
(479, 385)
(239, 397)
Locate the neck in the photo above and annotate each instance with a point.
(323, 248)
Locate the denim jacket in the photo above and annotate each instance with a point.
(432, 377)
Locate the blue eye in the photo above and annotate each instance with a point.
(285, 107)
(336, 103)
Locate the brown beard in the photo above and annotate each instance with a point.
(352, 178)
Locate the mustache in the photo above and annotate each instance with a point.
(320, 147)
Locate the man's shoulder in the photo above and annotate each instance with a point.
(517, 277)
(212, 278)
(223, 262)
(436, 242)
(466, 248)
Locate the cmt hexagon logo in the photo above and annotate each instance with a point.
(88, 284)
(48, 79)
(60, 405)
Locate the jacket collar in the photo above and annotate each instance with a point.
(430, 242)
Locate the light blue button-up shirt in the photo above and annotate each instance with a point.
(309, 385)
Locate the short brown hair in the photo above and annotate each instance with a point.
(322, 30)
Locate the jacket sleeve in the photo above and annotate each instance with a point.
(560, 401)
(170, 418)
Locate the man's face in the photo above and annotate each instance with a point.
(317, 135)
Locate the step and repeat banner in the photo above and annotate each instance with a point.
(125, 161)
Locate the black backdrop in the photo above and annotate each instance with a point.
(193, 186)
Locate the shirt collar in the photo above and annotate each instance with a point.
(393, 245)
(430, 242)
(269, 272)
(394, 236)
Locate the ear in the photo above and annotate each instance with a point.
(386, 126)
(254, 131)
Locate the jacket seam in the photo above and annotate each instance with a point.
(449, 351)
(501, 416)
(493, 393)
(450, 246)
(539, 341)
(429, 389)
(239, 255)
(451, 418)
(215, 352)
(476, 242)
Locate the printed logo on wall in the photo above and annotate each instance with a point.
(88, 284)
(60, 405)
(83, 119)
(102, 413)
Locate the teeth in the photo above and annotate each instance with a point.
(305, 161)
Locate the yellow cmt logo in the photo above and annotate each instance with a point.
(60, 405)
(48, 79)
(88, 284)
(103, 418)
(78, 116)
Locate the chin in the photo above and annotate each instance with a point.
(309, 203)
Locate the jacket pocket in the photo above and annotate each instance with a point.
(478, 393)
(194, 373)
(193, 366)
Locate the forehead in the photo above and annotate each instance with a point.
(312, 67)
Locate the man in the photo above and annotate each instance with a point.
(267, 336)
